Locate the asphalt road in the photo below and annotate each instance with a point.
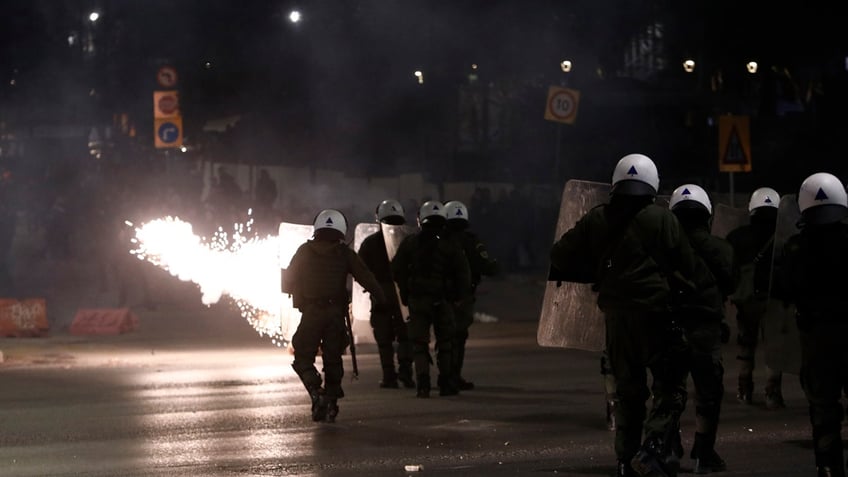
(196, 392)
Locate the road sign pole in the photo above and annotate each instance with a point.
(732, 190)
(557, 152)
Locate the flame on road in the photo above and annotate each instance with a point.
(245, 268)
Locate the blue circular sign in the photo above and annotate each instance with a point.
(168, 132)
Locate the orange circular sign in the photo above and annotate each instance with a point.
(563, 105)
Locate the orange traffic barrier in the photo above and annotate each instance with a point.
(23, 318)
(104, 321)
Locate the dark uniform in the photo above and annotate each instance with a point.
(317, 280)
(431, 273)
(704, 330)
(752, 248)
(481, 265)
(811, 273)
(387, 320)
(632, 248)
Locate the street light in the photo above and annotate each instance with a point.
(472, 77)
(752, 67)
(565, 65)
(418, 74)
(689, 65)
(93, 17)
(294, 16)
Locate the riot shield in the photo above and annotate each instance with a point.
(781, 339)
(570, 315)
(726, 219)
(393, 235)
(360, 301)
(291, 237)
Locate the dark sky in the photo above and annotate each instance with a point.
(347, 67)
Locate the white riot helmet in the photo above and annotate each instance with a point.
(330, 219)
(635, 174)
(822, 199)
(456, 210)
(390, 212)
(690, 196)
(763, 197)
(431, 211)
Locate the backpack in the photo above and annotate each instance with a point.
(747, 297)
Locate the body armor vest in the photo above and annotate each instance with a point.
(327, 275)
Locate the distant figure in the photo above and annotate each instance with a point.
(226, 194)
(8, 224)
(266, 196)
(266, 190)
(58, 229)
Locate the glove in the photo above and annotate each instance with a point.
(725, 333)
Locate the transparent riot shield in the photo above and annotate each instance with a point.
(781, 339)
(360, 302)
(570, 315)
(291, 237)
(393, 235)
(726, 219)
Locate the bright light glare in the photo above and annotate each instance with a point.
(752, 67)
(689, 66)
(247, 269)
(93, 16)
(418, 74)
(183, 148)
(565, 65)
(294, 16)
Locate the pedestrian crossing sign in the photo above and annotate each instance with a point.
(734, 144)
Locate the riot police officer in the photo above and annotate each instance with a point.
(704, 322)
(317, 281)
(752, 247)
(811, 274)
(387, 320)
(481, 264)
(432, 273)
(639, 259)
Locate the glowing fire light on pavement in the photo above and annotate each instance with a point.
(243, 267)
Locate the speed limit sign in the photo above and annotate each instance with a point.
(562, 105)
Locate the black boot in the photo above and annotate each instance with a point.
(447, 386)
(653, 461)
(706, 458)
(774, 393)
(405, 375)
(745, 390)
(319, 404)
(423, 386)
(313, 383)
(332, 410)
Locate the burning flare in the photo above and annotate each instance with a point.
(245, 268)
